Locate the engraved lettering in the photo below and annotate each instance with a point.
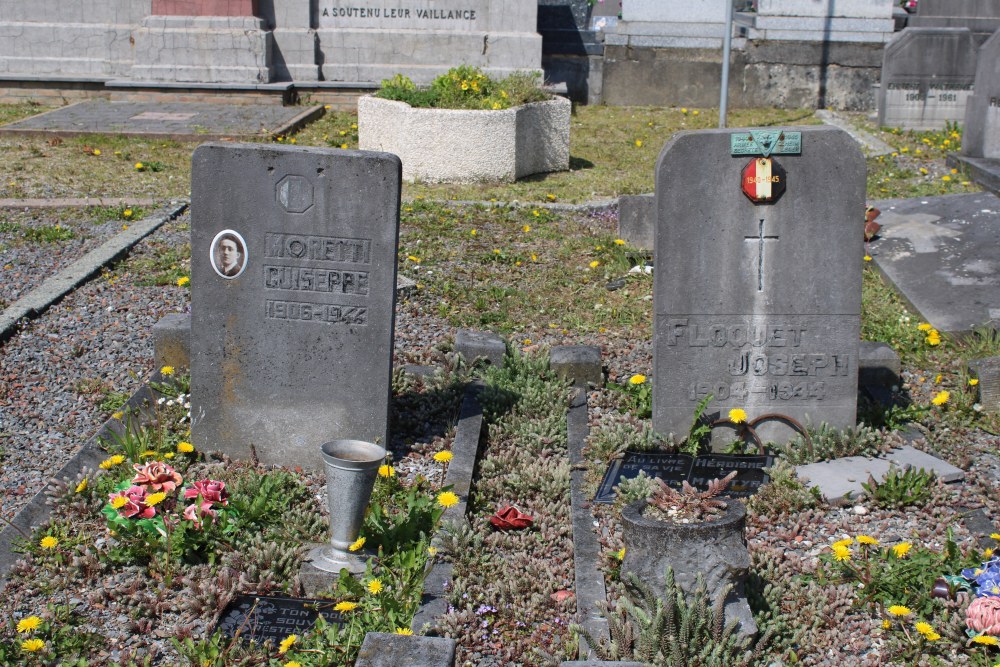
(321, 248)
(315, 280)
(315, 312)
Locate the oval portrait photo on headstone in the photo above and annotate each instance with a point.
(228, 254)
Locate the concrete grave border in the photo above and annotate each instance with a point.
(468, 146)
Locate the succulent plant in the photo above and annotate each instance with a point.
(689, 503)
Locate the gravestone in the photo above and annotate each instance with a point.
(927, 76)
(758, 304)
(821, 21)
(982, 17)
(981, 137)
(293, 268)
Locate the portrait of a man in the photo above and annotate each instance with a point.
(229, 254)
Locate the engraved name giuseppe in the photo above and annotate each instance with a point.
(285, 273)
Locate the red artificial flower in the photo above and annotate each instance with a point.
(156, 475)
(510, 518)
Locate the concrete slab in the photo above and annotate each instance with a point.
(941, 254)
(984, 171)
(840, 480)
(180, 121)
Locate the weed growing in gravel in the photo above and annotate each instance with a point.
(784, 493)
(124, 213)
(909, 487)
(52, 637)
(37, 234)
(833, 443)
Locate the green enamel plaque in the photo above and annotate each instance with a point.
(765, 142)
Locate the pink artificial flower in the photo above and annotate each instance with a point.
(983, 615)
(135, 503)
(210, 490)
(195, 514)
(158, 476)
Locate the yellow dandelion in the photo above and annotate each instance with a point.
(117, 460)
(886, 624)
(941, 398)
(550, 196)
(149, 453)
(345, 606)
(841, 553)
(82, 486)
(357, 544)
(986, 640)
(946, 178)
(922, 627)
(117, 415)
(638, 143)
(995, 536)
(343, 147)
(988, 553)
(118, 502)
(287, 643)
(443, 457)
(638, 378)
(32, 645)
(973, 382)
(695, 112)
(594, 264)
(404, 631)
(901, 549)
(185, 447)
(374, 586)
(737, 415)
(938, 378)
(432, 551)
(155, 498)
(844, 542)
(167, 370)
(899, 610)
(472, 232)
(127, 213)
(168, 455)
(48, 542)
(619, 242)
(182, 281)
(867, 258)
(620, 555)
(292, 663)
(139, 166)
(28, 624)
(96, 151)
(867, 540)
(386, 471)
(536, 213)
(923, 326)
(932, 636)
(684, 110)
(526, 228)
(447, 499)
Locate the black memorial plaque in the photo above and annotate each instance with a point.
(698, 471)
(262, 617)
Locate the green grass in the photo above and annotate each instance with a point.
(41, 234)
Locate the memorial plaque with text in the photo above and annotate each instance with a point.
(757, 304)
(293, 273)
(697, 471)
(261, 617)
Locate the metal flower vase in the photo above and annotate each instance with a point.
(351, 468)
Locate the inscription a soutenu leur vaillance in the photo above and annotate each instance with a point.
(453, 14)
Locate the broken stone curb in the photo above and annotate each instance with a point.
(465, 451)
(89, 456)
(873, 146)
(38, 300)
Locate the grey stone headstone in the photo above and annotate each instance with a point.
(987, 371)
(878, 364)
(927, 77)
(981, 137)
(475, 344)
(636, 218)
(296, 349)
(382, 649)
(757, 305)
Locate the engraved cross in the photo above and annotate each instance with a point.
(760, 239)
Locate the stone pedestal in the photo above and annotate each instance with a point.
(715, 549)
(202, 49)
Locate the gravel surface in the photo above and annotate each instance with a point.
(26, 262)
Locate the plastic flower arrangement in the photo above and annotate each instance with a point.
(155, 508)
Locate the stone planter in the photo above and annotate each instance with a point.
(717, 549)
(462, 146)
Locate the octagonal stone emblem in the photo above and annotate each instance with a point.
(295, 193)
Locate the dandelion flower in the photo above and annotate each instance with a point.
(986, 640)
(118, 502)
(737, 415)
(844, 542)
(995, 536)
(867, 258)
(292, 664)
(117, 415)
(902, 549)
(932, 636)
(941, 398)
(472, 232)
(638, 143)
(695, 112)
(406, 632)
(155, 498)
(97, 151)
(550, 196)
(386, 471)
(432, 551)
(923, 171)
(82, 486)
(185, 447)
(536, 213)
(867, 540)
(973, 382)
(345, 606)
(621, 554)
(49, 542)
(28, 624)
(526, 229)
(413, 258)
(946, 178)
(594, 264)
(139, 166)
(619, 242)
(374, 586)
(443, 457)
(447, 499)
(32, 645)
(841, 553)
(899, 610)
(922, 627)
(923, 326)
(886, 624)
(638, 378)
(182, 281)
(684, 110)
(357, 544)
(167, 370)
(286, 643)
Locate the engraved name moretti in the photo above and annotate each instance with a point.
(322, 248)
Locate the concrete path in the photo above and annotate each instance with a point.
(181, 121)
(943, 256)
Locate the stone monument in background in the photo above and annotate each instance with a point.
(981, 136)
(757, 288)
(293, 274)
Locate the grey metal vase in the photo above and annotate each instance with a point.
(351, 467)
